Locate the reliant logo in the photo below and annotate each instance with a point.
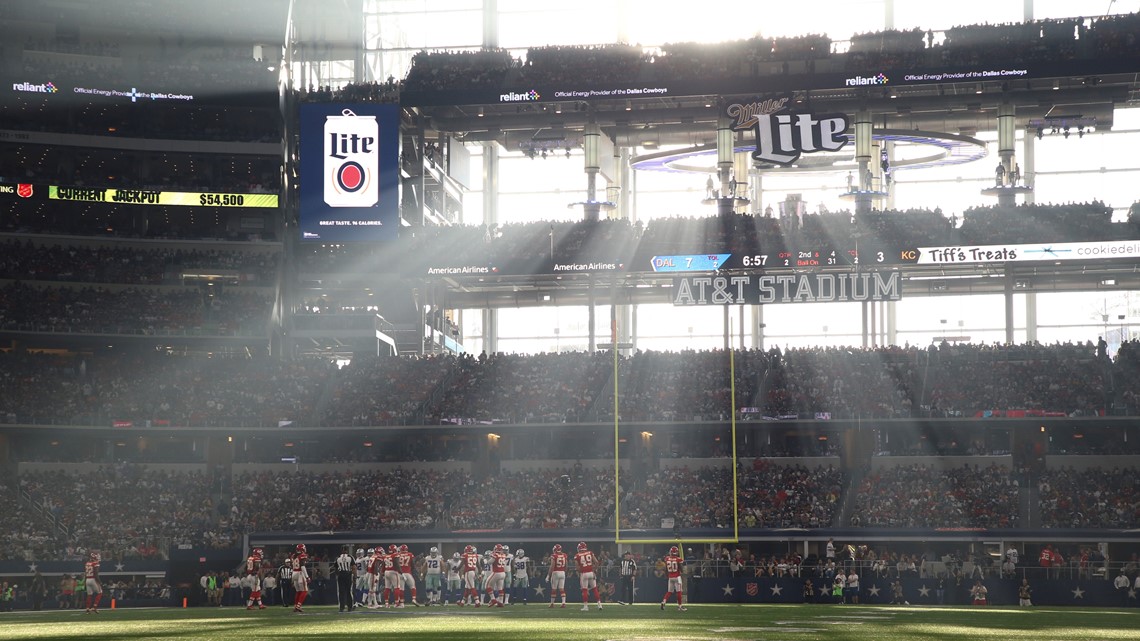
(860, 81)
(46, 87)
(529, 96)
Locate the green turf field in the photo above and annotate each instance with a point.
(629, 623)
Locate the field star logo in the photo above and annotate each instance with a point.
(860, 81)
(530, 96)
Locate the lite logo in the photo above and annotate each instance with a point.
(351, 160)
(783, 135)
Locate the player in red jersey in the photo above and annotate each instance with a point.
(92, 583)
(498, 578)
(556, 576)
(253, 572)
(391, 577)
(673, 564)
(407, 582)
(300, 576)
(470, 568)
(585, 561)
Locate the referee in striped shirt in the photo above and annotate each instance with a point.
(628, 573)
(345, 574)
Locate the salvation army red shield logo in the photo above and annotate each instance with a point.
(24, 190)
(752, 589)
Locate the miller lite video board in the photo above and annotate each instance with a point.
(349, 172)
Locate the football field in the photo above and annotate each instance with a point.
(615, 622)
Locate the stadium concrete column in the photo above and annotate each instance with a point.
(756, 193)
(1030, 317)
(758, 327)
(490, 216)
(865, 330)
(491, 24)
(1007, 138)
(725, 160)
(863, 158)
(624, 211)
(892, 323)
(591, 138)
(1029, 175)
(1009, 283)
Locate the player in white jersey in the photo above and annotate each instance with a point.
(433, 575)
(520, 581)
(485, 565)
(509, 561)
(361, 587)
(454, 580)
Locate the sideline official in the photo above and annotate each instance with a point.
(628, 576)
(345, 578)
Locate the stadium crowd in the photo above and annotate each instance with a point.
(128, 511)
(1036, 41)
(920, 496)
(37, 260)
(101, 310)
(962, 380)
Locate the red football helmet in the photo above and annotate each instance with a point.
(498, 547)
(258, 552)
(557, 547)
(470, 549)
(95, 556)
(582, 547)
(392, 549)
(403, 548)
(301, 548)
(673, 551)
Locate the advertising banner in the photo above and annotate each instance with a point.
(349, 172)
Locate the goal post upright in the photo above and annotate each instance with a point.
(735, 538)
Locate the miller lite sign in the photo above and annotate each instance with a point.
(783, 134)
(349, 172)
(351, 160)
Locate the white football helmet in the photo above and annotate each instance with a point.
(434, 550)
(520, 552)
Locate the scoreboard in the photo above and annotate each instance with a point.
(886, 256)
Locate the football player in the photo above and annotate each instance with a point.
(300, 577)
(433, 575)
(406, 582)
(362, 577)
(91, 583)
(556, 577)
(470, 568)
(520, 584)
(253, 576)
(497, 577)
(584, 560)
(454, 578)
(391, 576)
(673, 564)
(507, 577)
